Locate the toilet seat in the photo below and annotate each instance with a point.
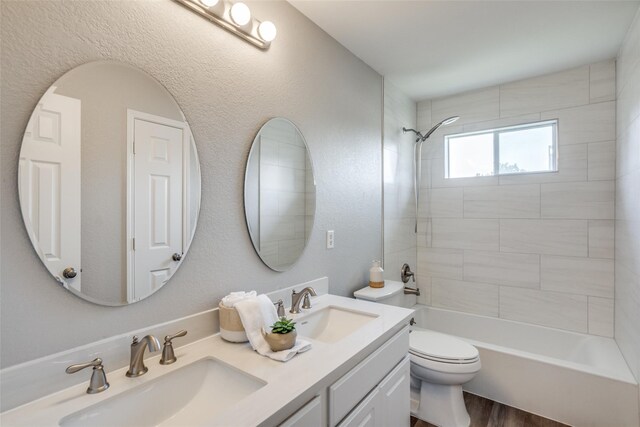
(442, 348)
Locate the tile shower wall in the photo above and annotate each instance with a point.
(532, 248)
(399, 208)
(627, 248)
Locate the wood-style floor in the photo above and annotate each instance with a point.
(487, 413)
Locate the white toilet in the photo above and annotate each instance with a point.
(440, 364)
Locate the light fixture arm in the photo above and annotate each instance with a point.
(249, 32)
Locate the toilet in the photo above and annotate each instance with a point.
(440, 364)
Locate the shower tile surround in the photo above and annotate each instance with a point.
(536, 248)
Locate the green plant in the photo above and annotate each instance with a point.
(283, 326)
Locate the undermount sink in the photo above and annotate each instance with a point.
(331, 324)
(186, 396)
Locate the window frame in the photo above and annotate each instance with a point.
(496, 147)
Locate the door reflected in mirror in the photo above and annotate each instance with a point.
(109, 183)
(279, 194)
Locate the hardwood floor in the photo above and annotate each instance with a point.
(487, 413)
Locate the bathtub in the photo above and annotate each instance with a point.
(574, 378)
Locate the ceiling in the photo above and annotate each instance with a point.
(430, 49)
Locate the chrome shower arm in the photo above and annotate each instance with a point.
(420, 137)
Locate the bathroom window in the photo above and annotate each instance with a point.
(528, 148)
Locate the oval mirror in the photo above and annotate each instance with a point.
(279, 194)
(109, 183)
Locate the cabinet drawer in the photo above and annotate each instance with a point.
(309, 415)
(345, 393)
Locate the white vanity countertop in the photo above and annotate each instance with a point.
(289, 385)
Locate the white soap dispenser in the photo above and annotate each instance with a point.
(375, 275)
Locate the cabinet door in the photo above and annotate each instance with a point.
(307, 416)
(345, 393)
(368, 413)
(395, 396)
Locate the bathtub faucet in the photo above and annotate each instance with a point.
(405, 273)
(411, 291)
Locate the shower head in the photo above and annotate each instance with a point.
(422, 137)
(445, 122)
(450, 120)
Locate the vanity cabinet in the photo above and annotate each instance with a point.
(387, 404)
(377, 387)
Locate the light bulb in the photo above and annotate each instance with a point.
(267, 31)
(240, 14)
(209, 3)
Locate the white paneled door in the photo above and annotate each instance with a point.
(158, 205)
(49, 184)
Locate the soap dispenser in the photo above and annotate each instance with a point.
(375, 275)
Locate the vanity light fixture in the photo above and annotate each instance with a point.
(235, 18)
(267, 31)
(240, 14)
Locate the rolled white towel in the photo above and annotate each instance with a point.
(233, 298)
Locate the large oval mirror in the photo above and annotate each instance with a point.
(109, 183)
(279, 194)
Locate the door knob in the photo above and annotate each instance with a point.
(69, 272)
(177, 256)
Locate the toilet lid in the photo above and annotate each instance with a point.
(441, 347)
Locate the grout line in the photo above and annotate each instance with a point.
(589, 85)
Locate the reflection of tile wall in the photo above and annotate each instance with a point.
(536, 248)
(399, 207)
(627, 241)
(283, 181)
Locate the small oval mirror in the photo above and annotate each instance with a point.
(279, 194)
(109, 183)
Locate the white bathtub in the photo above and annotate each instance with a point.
(574, 378)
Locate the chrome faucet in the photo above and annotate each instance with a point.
(296, 297)
(136, 365)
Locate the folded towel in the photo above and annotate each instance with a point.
(234, 297)
(259, 313)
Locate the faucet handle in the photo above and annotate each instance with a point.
(168, 338)
(168, 356)
(280, 308)
(405, 273)
(98, 380)
(306, 302)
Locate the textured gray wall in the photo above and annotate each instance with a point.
(227, 90)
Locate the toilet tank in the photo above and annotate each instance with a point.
(391, 294)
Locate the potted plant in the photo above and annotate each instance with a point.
(282, 336)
